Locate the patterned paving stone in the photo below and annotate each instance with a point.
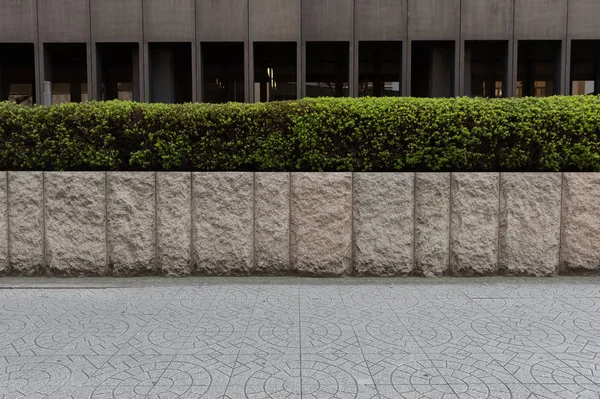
(300, 338)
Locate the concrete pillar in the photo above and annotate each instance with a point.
(195, 97)
(303, 70)
(143, 77)
(247, 77)
(46, 66)
(404, 65)
(507, 87)
(457, 73)
(37, 79)
(514, 49)
(353, 71)
(47, 93)
(199, 73)
(250, 81)
(3, 85)
(162, 81)
(299, 69)
(354, 65)
(97, 74)
(597, 70)
(91, 83)
(440, 81)
(467, 82)
(562, 71)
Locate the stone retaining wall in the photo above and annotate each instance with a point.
(316, 224)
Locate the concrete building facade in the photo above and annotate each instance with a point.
(263, 50)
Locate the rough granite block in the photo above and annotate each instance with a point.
(383, 223)
(321, 223)
(223, 222)
(580, 243)
(4, 261)
(272, 235)
(26, 219)
(174, 223)
(474, 223)
(76, 223)
(529, 223)
(432, 224)
(131, 223)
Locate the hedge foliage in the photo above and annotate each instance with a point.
(367, 134)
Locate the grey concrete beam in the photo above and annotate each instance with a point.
(172, 21)
(64, 21)
(115, 21)
(18, 21)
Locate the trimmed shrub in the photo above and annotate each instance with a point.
(325, 134)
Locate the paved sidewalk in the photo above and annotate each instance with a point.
(293, 338)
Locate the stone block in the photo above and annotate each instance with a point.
(174, 223)
(26, 222)
(223, 222)
(321, 225)
(4, 261)
(580, 242)
(75, 222)
(131, 223)
(383, 223)
(432, 224)
(272, 228)
(529, 235)
(474, 223)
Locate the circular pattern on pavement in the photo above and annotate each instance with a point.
(315, 333)
(426, 380)
(318, 379)
(517, 331)
(589, 326)
(410, 332)
(57, 337)
(573, 375)
(10, 327)
(160, 379)
(28, 379)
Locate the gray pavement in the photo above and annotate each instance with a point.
(300, 338)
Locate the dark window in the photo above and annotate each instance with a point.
(538, 68)
(432, 69)
(222, 72)
(486, 68)
(17, 73)
(170, 72)
(275, 75)
(118, 71)
(65, 66)
(379, 68)
(327, 69)
(585, 67)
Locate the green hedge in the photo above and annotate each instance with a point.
(369, 134)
